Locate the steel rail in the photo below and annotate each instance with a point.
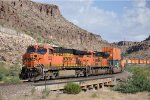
(81, 79)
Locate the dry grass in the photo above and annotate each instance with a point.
(102, 94)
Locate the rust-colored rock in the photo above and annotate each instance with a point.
(45, 23)
(136, 50)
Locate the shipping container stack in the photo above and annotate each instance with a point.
(137, 61)
(115, 56)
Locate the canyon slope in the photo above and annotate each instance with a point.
(24, 22)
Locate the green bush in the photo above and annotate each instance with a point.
(1, 77)
(11, 79)
(137, 83)
(14, 70)
(72, 88)
(3, 72)
(94, 95)
(9, 74)
(33, 90)
(45, 93)
(1, 97)
(139, 69)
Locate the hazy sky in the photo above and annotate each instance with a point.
(114, 20)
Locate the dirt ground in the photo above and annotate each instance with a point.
(28, 92)
(102, 94)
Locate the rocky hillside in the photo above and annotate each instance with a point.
(45, 23)
(13, 44)
(136, 50)
(148, 39)
(140, 50)
(20, 20)
(124, 45)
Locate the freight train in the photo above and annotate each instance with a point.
(136, 61)
(46, 62)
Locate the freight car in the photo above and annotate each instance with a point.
(136, 61)
(48, 62)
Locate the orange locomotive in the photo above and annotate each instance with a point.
(50, 62)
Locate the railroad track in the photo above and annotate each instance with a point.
(72, 79)
(86, 83)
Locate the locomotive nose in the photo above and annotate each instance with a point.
(33, 56)
(30, 60)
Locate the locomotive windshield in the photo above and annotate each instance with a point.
(102, 54)
(41, 50)
(30, 50)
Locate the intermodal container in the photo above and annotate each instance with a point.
(124, 61)
(134, 61)
(144, 61)
(115, 53)
(141, 61)
(129, 61)
(148, 62)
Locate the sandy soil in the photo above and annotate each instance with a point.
(28, 92)
(102, 94)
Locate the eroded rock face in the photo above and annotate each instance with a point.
(44, 23)
(148, 39)
(13, 46)
(126, 43)
(45, 20)
(139, 47)
(136, 50)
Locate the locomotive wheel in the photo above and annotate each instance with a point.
(77, 73)
(37, 78)
(35, 75)
(30, 76)
(111, 70)
(23, 74)
(54, 75)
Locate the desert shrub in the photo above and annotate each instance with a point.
(14, 70)
(139, 69)
(94, 95)
(137, 83)
(9, 74)
(45, 93)
(33, 90)
(72, 88)
(11, 79)
(3, 72)
(1, 77)
(1, 97)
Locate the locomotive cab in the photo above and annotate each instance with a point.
(35, 58)
(36, 55)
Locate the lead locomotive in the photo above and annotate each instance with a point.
(48, 62)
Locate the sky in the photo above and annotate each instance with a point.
(113, 20)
